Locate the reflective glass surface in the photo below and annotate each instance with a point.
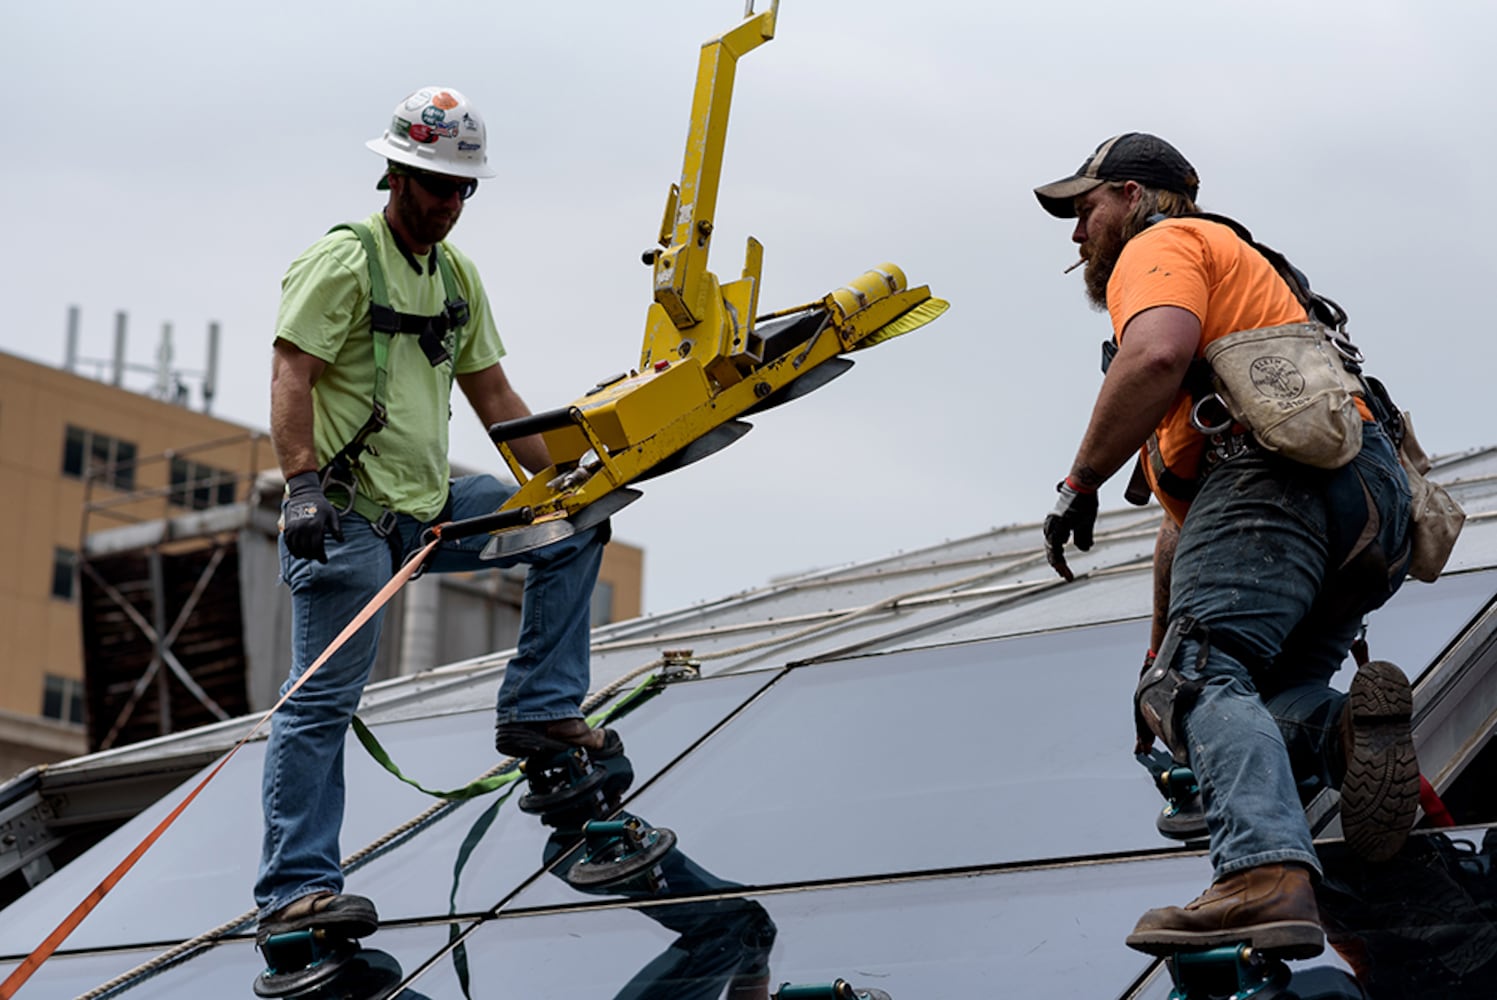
(65, 976)
(484, 850)
(1422, 926)
(205, 863)
(1414, 628)
(977, 754)
(1050, 933)
(920, 758)
(227, 970)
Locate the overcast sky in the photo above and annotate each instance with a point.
(169, 159)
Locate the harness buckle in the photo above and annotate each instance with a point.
(385, 525)
(338, 476)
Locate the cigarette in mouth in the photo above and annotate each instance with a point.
(1074, 266)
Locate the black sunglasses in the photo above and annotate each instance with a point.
(442, 187)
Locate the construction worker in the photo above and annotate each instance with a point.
(1264, 567)
(376, 322)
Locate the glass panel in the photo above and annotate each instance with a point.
(99, 456)
(73, 449)
(227, 970)
(483, 850)
(52, 695)
(908, 744)
(181, 472)
(206, 862)
(64, 566)
(1417, 926)
(224, 491)
(1040, 934)
(1414, 628)
(63, 976)
(124, 469)
(980, 754)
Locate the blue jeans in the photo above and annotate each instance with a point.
(302, 790)
(1259, 564)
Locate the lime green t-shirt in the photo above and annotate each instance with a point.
(325, 312)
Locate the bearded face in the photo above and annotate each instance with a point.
(1101, 230)
(426, 220)
(1101, 252)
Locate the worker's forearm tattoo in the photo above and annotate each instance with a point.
(1087, 477)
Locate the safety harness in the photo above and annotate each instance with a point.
(1164, 696)
(1225, 443)
(339, 475)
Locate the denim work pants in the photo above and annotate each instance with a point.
(302, 790)
(1256, 564)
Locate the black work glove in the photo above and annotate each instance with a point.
(1075, 514)
(309, 518)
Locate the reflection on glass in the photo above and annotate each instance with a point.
(1420, 926)
(720, 944)
(1423, 924)
(482, 850)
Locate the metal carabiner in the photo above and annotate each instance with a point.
(1351, 352)
(1198, 421)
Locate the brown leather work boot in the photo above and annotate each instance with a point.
(1380, 792)
(1271, 907)
(339, 915)
(529, 739)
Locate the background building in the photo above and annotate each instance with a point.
(121, 510)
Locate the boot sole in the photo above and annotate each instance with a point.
(1286, 939)
(1380, 792)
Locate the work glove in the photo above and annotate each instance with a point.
(309, 518)
(1075, 514)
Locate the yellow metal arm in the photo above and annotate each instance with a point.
(691, 313)
(704, 363)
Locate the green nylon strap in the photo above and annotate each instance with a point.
(642, 692)
(367, 509)
(473, 789)
(379, 296)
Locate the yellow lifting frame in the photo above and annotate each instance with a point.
(703, 364)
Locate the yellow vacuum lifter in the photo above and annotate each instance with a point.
(706, 362)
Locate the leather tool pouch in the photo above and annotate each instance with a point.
(1289, 386)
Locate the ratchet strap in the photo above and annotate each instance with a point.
(54, 940)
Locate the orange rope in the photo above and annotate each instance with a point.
(43, 951)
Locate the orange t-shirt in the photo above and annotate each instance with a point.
(1203, 267)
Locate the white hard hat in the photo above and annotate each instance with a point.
(436, 129)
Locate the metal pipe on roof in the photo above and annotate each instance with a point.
(70, 356)
(118, 378)
(210, 376)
